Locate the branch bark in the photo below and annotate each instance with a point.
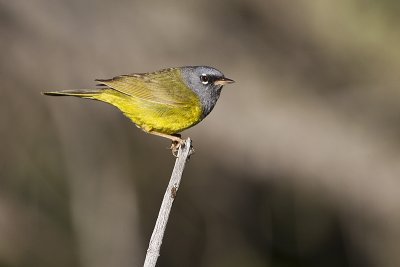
(153, 251)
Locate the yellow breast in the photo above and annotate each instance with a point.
(152, 116)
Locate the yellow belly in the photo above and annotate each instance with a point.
(151, 116)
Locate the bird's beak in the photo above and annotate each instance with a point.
(223, 81)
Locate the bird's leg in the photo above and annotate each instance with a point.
(175, 138)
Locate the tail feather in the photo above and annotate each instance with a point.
(78, 93)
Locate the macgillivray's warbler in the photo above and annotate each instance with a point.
(162, 103)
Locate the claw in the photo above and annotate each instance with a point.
(175, 145)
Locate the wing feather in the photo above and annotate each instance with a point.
(163, 87)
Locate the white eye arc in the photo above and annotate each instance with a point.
(204, 79)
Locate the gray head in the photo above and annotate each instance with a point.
(207, 83)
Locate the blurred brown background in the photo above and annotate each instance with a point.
(298, 165)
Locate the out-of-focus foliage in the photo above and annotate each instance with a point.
(298, 165)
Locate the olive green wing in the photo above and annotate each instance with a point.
(164, 87)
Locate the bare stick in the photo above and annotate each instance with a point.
(153, 251)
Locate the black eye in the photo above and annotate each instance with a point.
(204, 79)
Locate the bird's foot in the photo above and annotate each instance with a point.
(176, 144)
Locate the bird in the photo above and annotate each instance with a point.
(162, 103)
